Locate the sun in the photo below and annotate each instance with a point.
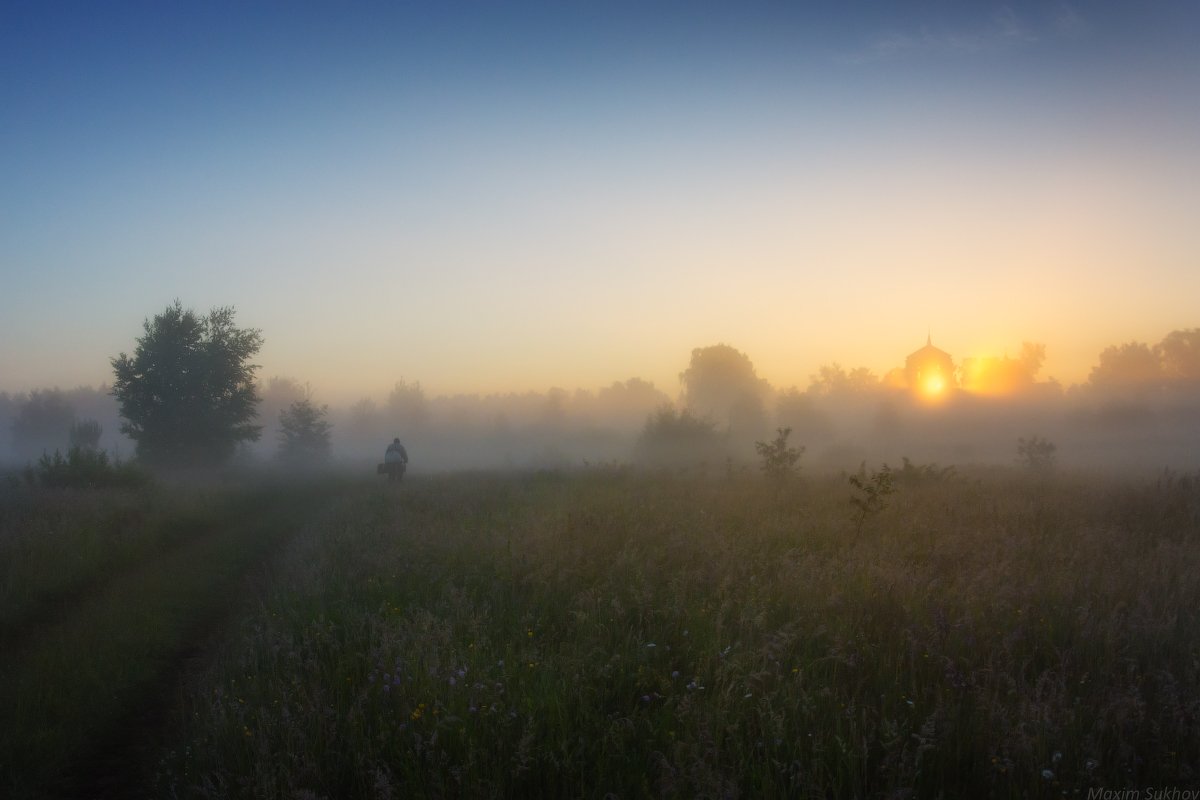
(933, 386)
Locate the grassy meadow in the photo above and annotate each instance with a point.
(603, 633)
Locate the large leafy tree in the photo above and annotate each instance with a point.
(187, 395)
(720, 384)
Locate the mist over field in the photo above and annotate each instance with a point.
(1139, 411)
(499, 234)
(609, 399)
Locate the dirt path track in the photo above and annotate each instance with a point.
(157, 622)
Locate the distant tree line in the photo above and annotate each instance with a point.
(1173, 363)
(190, 394)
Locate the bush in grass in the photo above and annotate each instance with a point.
(917, 474)
(680, 438)
(778, 460)
(871, 492)
(1036, 454)
(82, 468)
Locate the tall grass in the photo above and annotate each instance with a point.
(55, 544)
(993, 635)
(103, 591)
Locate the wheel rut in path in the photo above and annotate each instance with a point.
(119, 765)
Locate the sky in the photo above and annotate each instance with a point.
(512, 196)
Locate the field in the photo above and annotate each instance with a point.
(602, 633)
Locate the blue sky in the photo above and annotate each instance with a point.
(513, 196)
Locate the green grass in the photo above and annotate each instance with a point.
(57, 544)
(138, 577)
(580, 635)
(602, 633)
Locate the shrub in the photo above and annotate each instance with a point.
(914, 474)
(83, 468)
(779, 462)
(1036, 454)
(679, 438)
(870, 492)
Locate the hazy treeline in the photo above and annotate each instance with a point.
(549, 428)
(41, 421)
(1139, 408)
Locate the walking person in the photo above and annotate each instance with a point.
(395, 460)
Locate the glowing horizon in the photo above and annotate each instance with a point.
(513, 199)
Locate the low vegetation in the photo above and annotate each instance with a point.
(83, 468)
(607, 633)
(1036, 454)
(778, 460)
(870, 492)
(101, 595)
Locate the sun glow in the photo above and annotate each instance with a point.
(998, 376)
(933, 386)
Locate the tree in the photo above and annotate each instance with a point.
(43, 423)
(553, 413)
(720, 383)
(275, 396)
(832, 380)
(407, 407)
(1179, 355)
(1128, 366)
(870, 493)
(1036, 454)
(1002, 375)
(304, 433)
(673, 437)
(1033, 355)
(187, 394)
(777, 460)
(85, 435)
(995, 375)
(798, 411)
(628, 403)
(8, 412)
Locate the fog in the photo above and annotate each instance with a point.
(1139, 411)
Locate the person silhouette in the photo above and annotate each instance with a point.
(395, 460)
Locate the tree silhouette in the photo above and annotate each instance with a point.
(1128, 366)
(8, 412)
(1033, 355)
(799, 412)
(629, 401)
(85, 435)
(553, 412)
(679, 437)
(832, 380)
(304, 433)
(407, 406)
(1002, 375)
(720, 383)
(777, 459)
(43, 423)
(187, 394)
(1179, 355)
(274, 397)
